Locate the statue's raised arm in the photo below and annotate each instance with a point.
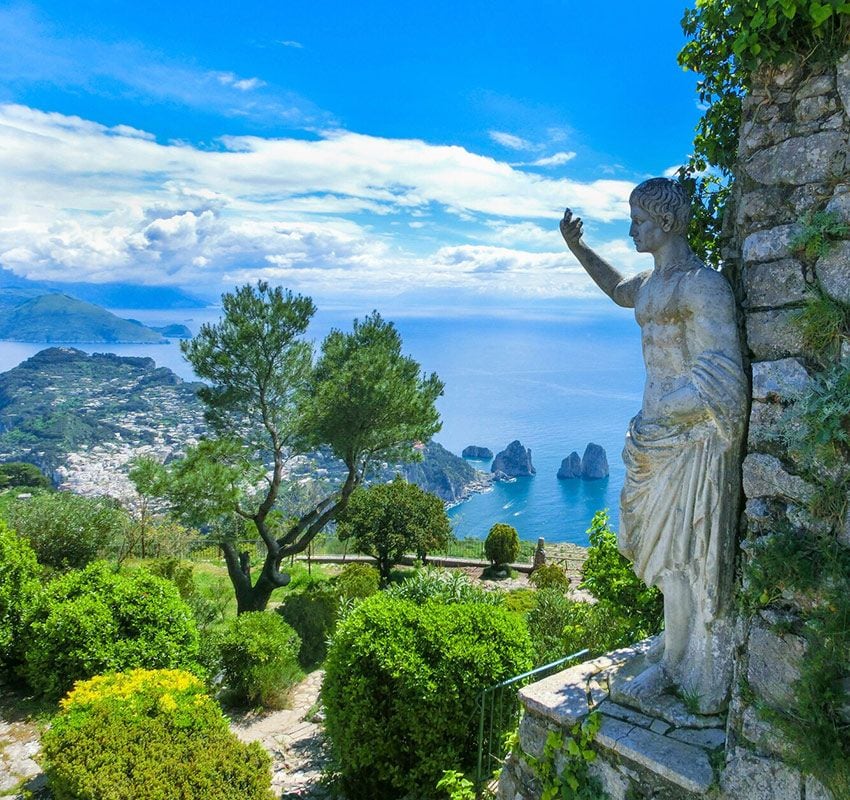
(619, 288)
(679, 504)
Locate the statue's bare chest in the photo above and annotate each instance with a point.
(659, 302)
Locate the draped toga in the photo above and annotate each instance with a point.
(677, 505)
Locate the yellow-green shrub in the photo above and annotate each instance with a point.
(149, 735)
(19, 585)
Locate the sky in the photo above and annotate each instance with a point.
(410, 154)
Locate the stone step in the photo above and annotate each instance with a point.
(682, 764)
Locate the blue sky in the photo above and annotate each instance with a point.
(408, 153)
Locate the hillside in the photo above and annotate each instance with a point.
(58, 318)
(82, 418)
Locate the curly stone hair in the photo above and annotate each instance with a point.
(659, 196)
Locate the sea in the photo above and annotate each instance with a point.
(555, 381)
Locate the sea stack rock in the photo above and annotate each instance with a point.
(594, 463)
(570, 467)
(514, 461)
(478, 453)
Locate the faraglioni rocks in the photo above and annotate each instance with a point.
(594, 463)
(570, 467)
(514, 461)
(477, 453)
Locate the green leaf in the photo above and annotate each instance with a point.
(820, 13)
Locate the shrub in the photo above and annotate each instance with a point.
(520, 601)
(19, 587)
(442, 585)
(96, 620)
(208, 604)
(149, 735)
(259, 657)
(68, 531)
(550, 576)
(502, 544)
(609, 577)
(546, 622)
(401, 690)
(357, 581)
(312, 612)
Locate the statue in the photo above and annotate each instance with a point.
(679, 504)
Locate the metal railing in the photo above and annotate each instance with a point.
(500, 710)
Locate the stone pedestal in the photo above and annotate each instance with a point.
(660, 753)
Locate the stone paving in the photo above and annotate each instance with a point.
(293, 738)
(19, 748)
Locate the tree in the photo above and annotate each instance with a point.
(19, 473)
(266, 402)
(387, 520)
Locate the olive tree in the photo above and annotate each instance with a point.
(266, 401)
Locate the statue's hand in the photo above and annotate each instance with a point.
(571, 228)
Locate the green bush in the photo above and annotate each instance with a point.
(401, 687)
(20, 474)
(609, 577)
(19, 588)
(68, 531)
(149, 735)
(313, 613)
(550, 576)
(546, 622)
(96, 620)
(357, 581)
(208, 604)
(442, 585)
(502, 544)
(259, 657)
(520, 601)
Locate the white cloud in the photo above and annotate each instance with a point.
(555, 160)
(85, 201)
(242, 84)
(291, 43)
(511, 141)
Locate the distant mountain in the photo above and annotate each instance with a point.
(58, 318)
(111, 295)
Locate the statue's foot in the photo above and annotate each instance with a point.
(655, 652)
(650, 683)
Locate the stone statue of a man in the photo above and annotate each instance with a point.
(679, 505)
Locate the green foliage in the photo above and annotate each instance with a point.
(357, 581)
(729, 40)
(96, 620)
(520, 601)
(609, 577)
(549, 576)
(814, 570)
(367, 400)
(502, 544)
(149, 735)
(823, 323)
(443, 586)
(208, 604)
(67, 530)
(820, 229)
(563, 768)
(456, 785)
(390, 519)
(600, 628)
(20, 474)
(401, 690)
(259, 657)
(313, 614)
(19, 588)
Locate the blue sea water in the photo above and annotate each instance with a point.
(554, 382)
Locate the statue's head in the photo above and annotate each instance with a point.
(666, 201)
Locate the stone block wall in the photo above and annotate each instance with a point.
(793, 161)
